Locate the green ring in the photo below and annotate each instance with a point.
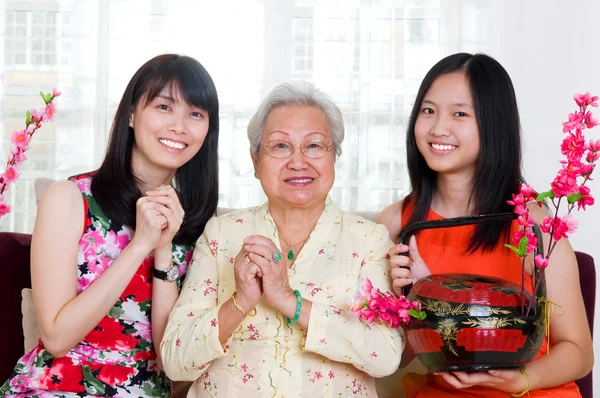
(276, 257)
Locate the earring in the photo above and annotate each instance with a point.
(255, 174)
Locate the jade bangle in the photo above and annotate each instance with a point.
(292, 322)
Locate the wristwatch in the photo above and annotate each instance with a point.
(170, 274)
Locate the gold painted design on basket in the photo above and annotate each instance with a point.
(447, 330)
(493, 323)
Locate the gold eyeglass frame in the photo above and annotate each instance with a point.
(294, 146)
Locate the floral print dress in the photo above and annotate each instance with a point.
(337, 356)
(117, 358)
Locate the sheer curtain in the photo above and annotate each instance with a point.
(369, 55)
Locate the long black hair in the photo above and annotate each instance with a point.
(498, 170)
(115, 186)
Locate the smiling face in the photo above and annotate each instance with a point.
(298, 180)
(168, 133)
(446, 130)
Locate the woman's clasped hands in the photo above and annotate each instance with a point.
(159, 216)
(260, 271)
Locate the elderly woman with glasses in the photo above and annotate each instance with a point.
(264, 308)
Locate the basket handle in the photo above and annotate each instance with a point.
(447, 223)
(454, 222)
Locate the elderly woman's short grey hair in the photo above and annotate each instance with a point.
(296, 93)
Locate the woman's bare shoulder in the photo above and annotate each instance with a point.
(391, 218)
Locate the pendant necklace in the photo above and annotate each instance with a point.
(291, 255)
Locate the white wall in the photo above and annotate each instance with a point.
(551, 49)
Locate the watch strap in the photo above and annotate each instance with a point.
(166, 275)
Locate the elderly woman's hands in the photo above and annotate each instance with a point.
(248, 282)
(275, 284)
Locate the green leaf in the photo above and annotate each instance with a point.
(48, 98)
(28, 118)
(420, 315)
(574, 198)
(43, 96)
(543, 195)
(514, 249)
(523, 246)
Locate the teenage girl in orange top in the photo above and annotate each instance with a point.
(464, 158)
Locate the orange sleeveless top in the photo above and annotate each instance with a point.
(444, 251)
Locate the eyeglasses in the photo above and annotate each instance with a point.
(313, 149)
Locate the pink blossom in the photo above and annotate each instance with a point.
(532, 240)
(525, 221)
(540, 261)
(574, 146)
(21, 139)
(518, 201)
(38, 116)
(575, 122)
(571, 223)
(587, 169)
(18, 155)
(372, 305)
(546, 224)
(4, 207)
(586, 198)
(560, 229)
(56, 93)
(367, 287)
(50, 111)
(565, 183)
(589, 120)
(593, 151)
(11, 174)
(586, 99)
(527, 192)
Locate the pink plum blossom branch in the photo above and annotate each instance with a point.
(372, 305)
(581, 158)
(21, 140)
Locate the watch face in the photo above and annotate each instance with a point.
(172, 273)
